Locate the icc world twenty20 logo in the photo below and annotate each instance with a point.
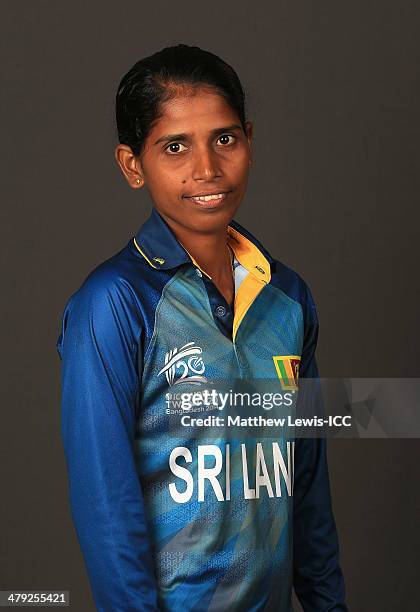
(184, 365)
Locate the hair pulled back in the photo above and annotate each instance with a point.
(156, 79)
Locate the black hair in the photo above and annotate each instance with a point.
(156, 79)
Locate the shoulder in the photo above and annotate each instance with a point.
(294, 286)
(107, 299)
(283, 277)
(108, 280)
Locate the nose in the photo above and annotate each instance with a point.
(205, 164)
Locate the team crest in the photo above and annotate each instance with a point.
(287, 368)
(184, 365)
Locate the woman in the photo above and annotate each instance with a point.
(174, 515)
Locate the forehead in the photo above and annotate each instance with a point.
(202, 108)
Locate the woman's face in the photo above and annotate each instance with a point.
(196, 147)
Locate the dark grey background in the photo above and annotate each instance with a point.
(333, 93)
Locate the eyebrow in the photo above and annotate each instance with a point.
(214, 132)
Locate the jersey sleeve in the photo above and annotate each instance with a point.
(318, 579)
(98, 346)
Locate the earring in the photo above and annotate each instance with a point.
(138, 181)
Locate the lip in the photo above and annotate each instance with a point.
(210, 203)
(198, 195)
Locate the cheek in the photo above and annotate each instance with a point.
(241, 166)
(241, 158)
(166, 181)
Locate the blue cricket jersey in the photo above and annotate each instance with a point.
(177, 519)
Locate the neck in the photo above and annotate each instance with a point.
(210, 251)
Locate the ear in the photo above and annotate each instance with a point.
(249, 134)
(130, 165)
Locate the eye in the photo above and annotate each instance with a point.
(170, 150)
(224, 136)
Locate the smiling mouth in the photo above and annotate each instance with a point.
(209, 197)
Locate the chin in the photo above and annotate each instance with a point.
(211, 221)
